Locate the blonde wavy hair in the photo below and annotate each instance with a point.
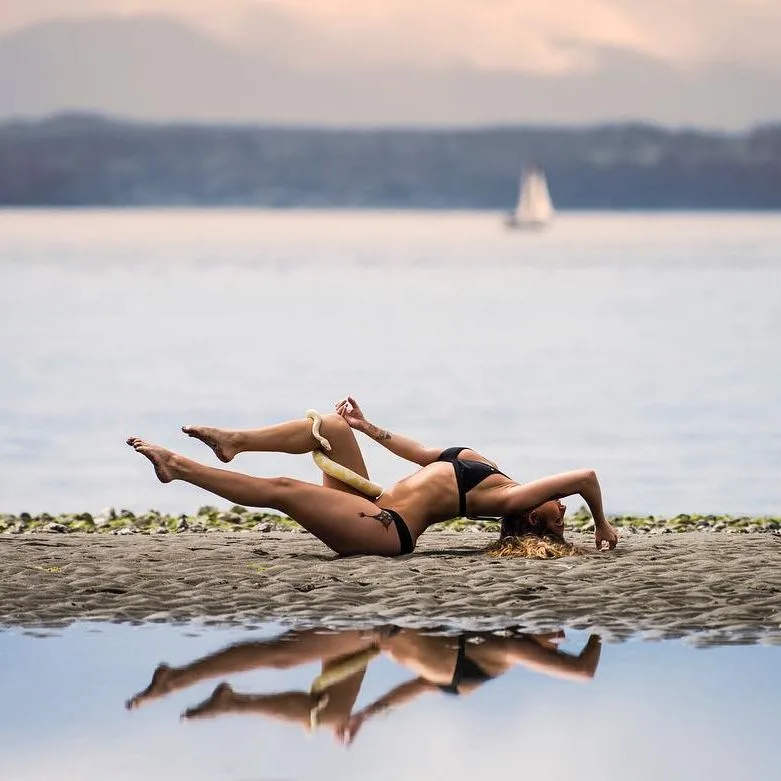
(523, 535)
(532, 546)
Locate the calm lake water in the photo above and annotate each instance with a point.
(643, 345)
(652, 710)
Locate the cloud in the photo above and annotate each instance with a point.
(545, 733)
(203, 13)
(512, 35)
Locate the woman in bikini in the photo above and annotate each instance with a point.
(439, 663)
(450, 483)
(460, 665)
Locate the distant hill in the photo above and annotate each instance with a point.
(79, 160)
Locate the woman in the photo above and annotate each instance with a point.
(450, 483)
(458, 667)
(439, 663)
(283, 652)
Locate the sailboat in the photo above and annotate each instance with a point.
(534, 208)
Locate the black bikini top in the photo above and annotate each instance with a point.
(466, 671)
(469, 473)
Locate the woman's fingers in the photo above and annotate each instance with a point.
(349, 404)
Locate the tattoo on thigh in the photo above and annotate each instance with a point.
(383, 516)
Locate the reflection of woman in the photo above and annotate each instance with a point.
(450, 483)
(454, 665)
(280, 653)
(457, 666)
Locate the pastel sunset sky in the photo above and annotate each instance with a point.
(726, 51)
(522, 35)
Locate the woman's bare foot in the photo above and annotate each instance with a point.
(220, 441)
(220, 701)
(161, 459)
(162, 683)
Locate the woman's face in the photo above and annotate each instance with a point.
(550, 517)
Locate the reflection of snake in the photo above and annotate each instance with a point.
(340, 671)
(337, 471)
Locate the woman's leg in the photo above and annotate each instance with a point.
(294, 436)
(346, 523)
(295, 707)
(279, 653)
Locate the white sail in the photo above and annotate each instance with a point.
(534, 205)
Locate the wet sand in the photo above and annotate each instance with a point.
(705, 586)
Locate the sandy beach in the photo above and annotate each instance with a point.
(708, 587)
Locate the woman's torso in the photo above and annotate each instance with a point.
(430, 495)
(436, 658)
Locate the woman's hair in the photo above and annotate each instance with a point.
(520, 536)
(519, 525)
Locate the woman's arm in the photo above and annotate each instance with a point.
(402, 446)
(554, 662)
(581, 481)
(401, 695)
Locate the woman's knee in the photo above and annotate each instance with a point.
(280, 489)
(336, 427)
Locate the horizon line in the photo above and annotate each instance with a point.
(404, 127)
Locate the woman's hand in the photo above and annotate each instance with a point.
(348, 408)
(588, 658)
(605, 533)
(347, 730)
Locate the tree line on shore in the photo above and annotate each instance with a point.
(83, 160)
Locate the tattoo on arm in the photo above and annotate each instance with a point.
(383, 516)
(378, 434)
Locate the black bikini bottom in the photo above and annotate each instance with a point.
(405, 538)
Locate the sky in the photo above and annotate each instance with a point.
(519, 35)
(707, 63)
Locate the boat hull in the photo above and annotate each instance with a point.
(529, 225)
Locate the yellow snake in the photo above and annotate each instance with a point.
(337, 471)
(356, 662)
(340, 671)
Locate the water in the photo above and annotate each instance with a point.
(652, 710)
(644, 346)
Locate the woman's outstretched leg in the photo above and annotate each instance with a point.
(288, 650)
(294, 436)
(346, 523)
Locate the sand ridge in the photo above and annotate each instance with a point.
(708, 587)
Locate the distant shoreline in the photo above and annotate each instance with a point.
(389, 210)
(241, 519)
(79, 160)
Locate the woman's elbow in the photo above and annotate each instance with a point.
(588, 479)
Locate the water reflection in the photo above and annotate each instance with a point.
(438, 663)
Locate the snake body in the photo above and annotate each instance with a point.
(337, 471)
(342, 669)
(338, 672)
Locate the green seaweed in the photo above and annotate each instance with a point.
(241, 519)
